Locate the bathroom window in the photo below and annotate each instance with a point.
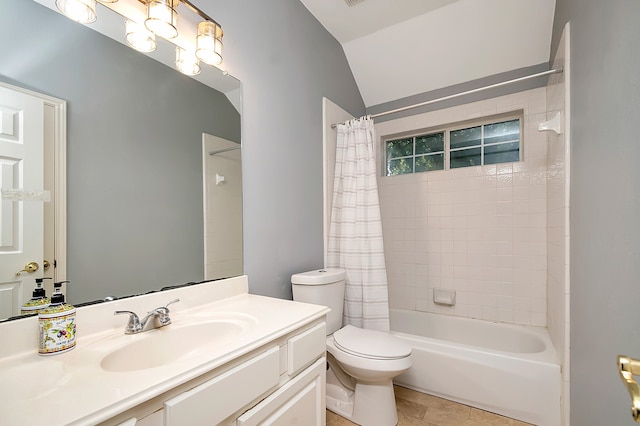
(415, 154)
(491, 142)
(485, 144)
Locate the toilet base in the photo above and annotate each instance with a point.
(371, 404)
(339, 402)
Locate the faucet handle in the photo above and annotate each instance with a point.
(163, 314)
(173, 301)
(134, 325)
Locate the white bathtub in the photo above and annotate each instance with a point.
(506, 369)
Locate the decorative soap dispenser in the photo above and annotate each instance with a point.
(57, 325)
(39, 300)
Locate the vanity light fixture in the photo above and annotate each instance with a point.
(197, 38)
(83, 11)
(187, 62)
(139, 37)
(209, 43)
(162, 18)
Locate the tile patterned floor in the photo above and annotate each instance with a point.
(419, 409)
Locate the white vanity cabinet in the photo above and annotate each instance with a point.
(279, 383)
(227, 358)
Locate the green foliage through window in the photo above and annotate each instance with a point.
(415, 154)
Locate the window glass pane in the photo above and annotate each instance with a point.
(400, 166)
(399, 148)
(502, 132)
(426, 163)
(502, 153)
(429, 143)
(465, 158)
(466, 137)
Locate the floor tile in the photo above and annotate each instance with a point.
(410, 409)
(335, 420)
(405, 420)
(420, 409)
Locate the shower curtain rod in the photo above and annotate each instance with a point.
(220, 151)
(468, 92)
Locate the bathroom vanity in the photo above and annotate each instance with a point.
(227, 358)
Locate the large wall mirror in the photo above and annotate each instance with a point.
(139, 135)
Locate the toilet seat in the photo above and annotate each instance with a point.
(370, 344)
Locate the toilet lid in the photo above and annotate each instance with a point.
(370, 343)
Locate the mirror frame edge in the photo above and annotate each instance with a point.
(60, 188)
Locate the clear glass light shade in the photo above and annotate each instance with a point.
(209, 43)
(108, 1)
(83, 11)
(162, 18)
(139, 37)
(187, 62)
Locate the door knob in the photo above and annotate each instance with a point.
(29, 267)
(46, 264)
(628, 367)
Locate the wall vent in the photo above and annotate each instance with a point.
(352, 2)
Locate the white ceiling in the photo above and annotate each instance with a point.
(399, 48)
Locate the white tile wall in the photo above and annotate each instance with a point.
(480, 231)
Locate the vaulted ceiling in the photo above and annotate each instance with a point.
(399, 48)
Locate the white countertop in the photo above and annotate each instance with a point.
(73, 389)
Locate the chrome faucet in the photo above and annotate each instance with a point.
(159, 317)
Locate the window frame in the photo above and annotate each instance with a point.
(452, 127)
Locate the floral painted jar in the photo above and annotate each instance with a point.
(56, 325)
(57, 329)
(34, 306)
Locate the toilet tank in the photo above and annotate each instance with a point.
(322, 287)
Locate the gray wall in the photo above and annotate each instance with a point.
(134, 151)
(461, 88)
(605, 200)
(287, 62)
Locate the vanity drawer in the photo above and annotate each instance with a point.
(304, 348)
(220, 397)
(301, 401)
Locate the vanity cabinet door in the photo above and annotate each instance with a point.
(301, 401)
(212, 402)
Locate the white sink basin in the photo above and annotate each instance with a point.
(175, 342)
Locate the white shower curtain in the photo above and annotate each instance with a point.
(355, 232)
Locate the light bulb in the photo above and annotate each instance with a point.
(209, 43)
(83, 11)
(139, 37)
(187, 62)
(162, 18)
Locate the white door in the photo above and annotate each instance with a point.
(21, 220)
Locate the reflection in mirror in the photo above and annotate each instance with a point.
(134, 152)
(222, 171)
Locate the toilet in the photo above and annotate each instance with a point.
(362, 363)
